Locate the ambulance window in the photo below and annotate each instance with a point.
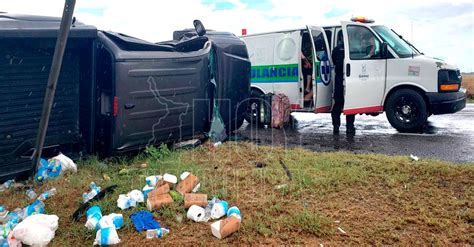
(319, 45)
(329, 37)
(363, 44)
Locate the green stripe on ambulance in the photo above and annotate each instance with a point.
(275, 73)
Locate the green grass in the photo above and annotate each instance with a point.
(378, 199)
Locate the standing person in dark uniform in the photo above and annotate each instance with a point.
(338, 59)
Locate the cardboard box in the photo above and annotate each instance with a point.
(163, 189)
(195, 199)
(156, 202)
(187, 185)
(223, 228)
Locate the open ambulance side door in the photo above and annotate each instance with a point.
(323, 85)
(364, 69)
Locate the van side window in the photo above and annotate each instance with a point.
(363, 44)
(329, 37)
(319, 45)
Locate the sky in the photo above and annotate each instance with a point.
(439, 28)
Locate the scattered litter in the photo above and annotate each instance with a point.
(413, 157)
(195, 199)
(281, 186)
(337, 221)
(106, 177)
(47, 194)
(157, 233)
(217, 144)
(136, 195)
(37, 207)
(93, 192)
(170, 179)
(164, 189)
(187, 184)
(144, 165)
(223, 228)
(82, 209)
(110, 220)
(93, 214)
(219, 210)
(156, 202)
(124, 202)
(143, 221)
(342, 231)
(3, 214)
(196, 213)
(153, 180)
(31, 194)
(65, 162)
(6, 185)
(107, 236)
(234, 211)
(36, 230)
(48, 170)
(147, 189)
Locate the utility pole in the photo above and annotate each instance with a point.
(61, 41)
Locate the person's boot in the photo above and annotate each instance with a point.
(350, 130)
(335, 130)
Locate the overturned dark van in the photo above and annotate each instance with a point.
(115, 93)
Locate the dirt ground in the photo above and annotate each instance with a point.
(334, 198)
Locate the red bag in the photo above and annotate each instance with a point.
(280, 111)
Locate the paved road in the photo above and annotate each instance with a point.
(447, 137)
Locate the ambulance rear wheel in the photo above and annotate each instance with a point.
(253, 107)
(406, 110)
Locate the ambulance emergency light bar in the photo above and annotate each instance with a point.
(362, 19)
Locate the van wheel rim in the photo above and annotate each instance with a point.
(406, 110)
(252, 110)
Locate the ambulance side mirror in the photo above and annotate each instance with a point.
(384, 50)
(200, 29)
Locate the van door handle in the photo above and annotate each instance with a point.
(348, 70)
(129, 106)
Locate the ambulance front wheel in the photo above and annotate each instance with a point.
(406, 110)
(252, 113)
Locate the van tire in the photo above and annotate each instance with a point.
(406, 110)
(252, 113)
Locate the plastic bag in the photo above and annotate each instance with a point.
(107, 236)
(65, 162)
(36, 230)
(47, 170)
(94, 214)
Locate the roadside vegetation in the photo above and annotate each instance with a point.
(289, 196)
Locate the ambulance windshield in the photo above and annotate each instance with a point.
(402, 48)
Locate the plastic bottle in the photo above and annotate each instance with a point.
(37, 207)
(6, 185)
(47, 194)
(157, 233)
(219, 209)
(31, 194)
(94, 191)
(3, 214)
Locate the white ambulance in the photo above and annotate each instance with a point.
(382, 72)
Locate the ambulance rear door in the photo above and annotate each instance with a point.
(322, 70)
